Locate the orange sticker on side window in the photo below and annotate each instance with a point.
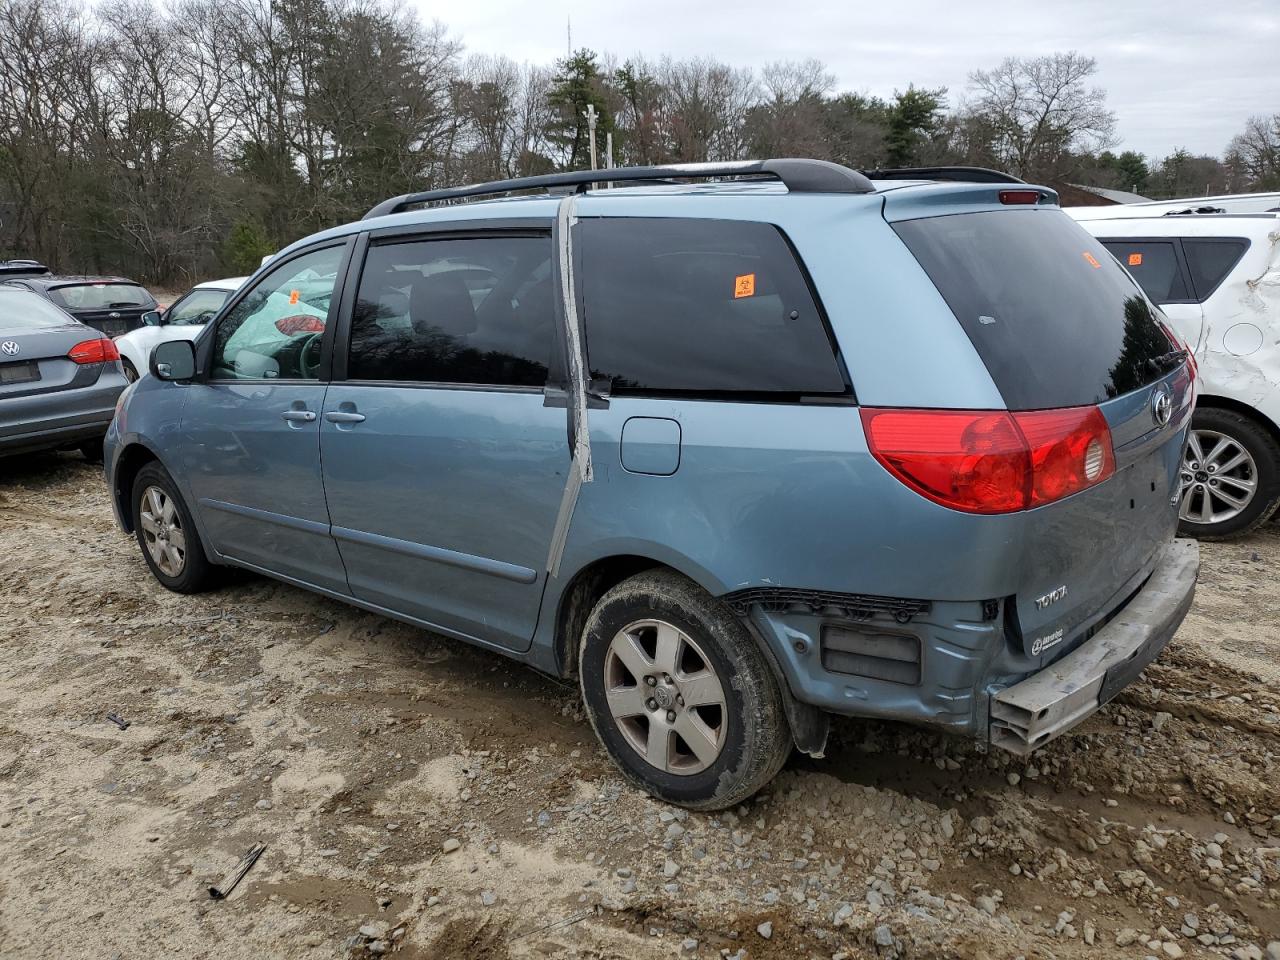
(293, 297)
(1135, 259)
(1093, 261)
(744, 286)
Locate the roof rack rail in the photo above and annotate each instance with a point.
(959, 174)
(797, 175)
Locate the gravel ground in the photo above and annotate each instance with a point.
(429, 800)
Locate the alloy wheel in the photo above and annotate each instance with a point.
(665, 696)
(1218, 478)
(162, 531)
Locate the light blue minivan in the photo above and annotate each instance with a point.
(738, 445)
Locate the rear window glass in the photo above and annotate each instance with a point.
(1154, 265)
(1054, 317)
(20, 310)
(701, 306)
(1210, 261)
(100, 296)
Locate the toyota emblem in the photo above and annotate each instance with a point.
(1161, 406)
(10, 348)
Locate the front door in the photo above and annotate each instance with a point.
(251, 444)
(443, 468)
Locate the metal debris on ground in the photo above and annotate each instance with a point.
(118, 720)
(555, 925)
(228, 883)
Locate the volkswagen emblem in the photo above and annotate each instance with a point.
(10, 348)
(1161, 406)
(115, 316)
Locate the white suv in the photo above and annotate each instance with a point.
(1217, 278)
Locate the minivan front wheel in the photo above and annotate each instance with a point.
(679, 695)
(166, 533)
(1230, 475)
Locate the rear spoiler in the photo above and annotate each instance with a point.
(957, 174)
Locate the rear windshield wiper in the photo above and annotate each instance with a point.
(1167, 361)
(122, 303)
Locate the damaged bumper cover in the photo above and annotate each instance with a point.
(1034, 711)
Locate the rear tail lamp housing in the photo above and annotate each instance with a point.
(992, 461)
(101, 350)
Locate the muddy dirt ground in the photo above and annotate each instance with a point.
(428, 800)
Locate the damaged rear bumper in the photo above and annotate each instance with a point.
(1034, 711)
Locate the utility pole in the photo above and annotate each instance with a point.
(608, 156)
(590, 114)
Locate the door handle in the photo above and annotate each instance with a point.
(343, 416)
(299, 416)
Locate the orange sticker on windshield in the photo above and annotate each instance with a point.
(293, 297)
(744, 286)
(1093, 261)
(1135, 259)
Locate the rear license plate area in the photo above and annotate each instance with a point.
(24, 372)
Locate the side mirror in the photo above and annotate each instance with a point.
(174, 360)
(152, 318)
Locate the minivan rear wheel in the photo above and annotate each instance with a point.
(679, 695)
(166, 533)
(1230, 475)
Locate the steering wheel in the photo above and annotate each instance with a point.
(309, 365)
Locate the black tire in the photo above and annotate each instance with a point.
(196, 572)
(1259, 443)
(756, 740)
(130, 372)
(91, 450)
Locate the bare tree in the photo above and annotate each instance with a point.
(707, 104)
(789, 119)
(46, 52)
(1254, 154)
(1036, 112)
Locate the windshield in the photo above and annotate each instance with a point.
(101, 296)
(20, 310)
(1056, 320)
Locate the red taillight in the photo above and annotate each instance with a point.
(300, 323)
(1019, 196)
(988, 461)
(94, 351)
(1070, 450)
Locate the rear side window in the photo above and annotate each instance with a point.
(1210, 261)
(701, 306)
(100, 296)
(1056, 320)
(475, 311)
(1155, 266)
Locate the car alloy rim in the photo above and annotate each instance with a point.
(162, 531)
(1219, 478)
(663, 693)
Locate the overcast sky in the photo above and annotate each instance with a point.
(1178, 73)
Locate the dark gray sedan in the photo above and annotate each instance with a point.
(59, 379)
